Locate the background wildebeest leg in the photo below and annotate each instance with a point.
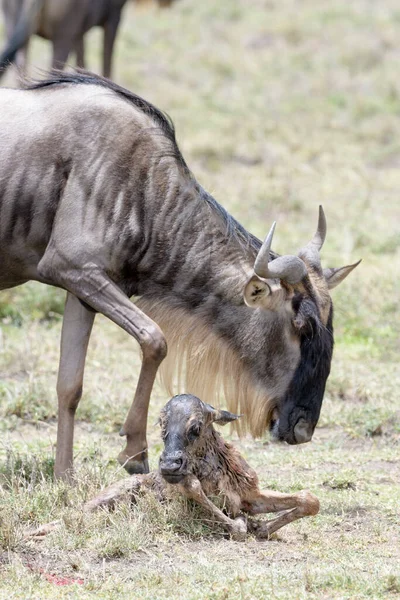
(61, 49)
(93, 286)
(191, 488)
(301, 504)
(110, 32)
(11, 15)
(76, 329)
(21, 59)
(80, 53)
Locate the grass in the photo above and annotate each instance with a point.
(278, 106)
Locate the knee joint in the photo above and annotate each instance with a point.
(154, 345)
(309, 504)
(69, 398)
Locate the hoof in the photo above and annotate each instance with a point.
(238, 529)
(133, 466)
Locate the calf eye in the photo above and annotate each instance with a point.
(194, 430)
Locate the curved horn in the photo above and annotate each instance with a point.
(319, 236)
(289, 268)
(262, 260)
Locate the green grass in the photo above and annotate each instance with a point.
(278, 106)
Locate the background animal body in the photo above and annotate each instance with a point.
(64, 23)
(284, 114)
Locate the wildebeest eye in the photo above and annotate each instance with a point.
(306, 319)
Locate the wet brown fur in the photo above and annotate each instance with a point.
(214, 469)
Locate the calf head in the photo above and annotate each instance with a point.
(186, 422)
(298, 287)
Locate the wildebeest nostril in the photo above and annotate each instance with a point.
(303, 431)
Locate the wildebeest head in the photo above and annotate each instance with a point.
(184, 422)
(301, 285)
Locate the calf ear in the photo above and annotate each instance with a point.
(335, 276)
(222, 417)
(256, 291)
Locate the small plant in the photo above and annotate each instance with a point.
(23, 469)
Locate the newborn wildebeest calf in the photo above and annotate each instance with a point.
(199, 463)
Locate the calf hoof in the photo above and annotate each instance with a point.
(134, 466)
(238, 529)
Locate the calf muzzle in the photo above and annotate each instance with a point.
(173, 467)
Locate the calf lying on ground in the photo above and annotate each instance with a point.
(199, 463)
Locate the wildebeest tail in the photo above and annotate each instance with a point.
(22, 32)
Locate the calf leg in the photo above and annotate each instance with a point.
(115, 492)
(76, 329)
(299, 505)
(191, 488)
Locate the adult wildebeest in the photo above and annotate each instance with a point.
(198, 463)
(64, 23)
(96, 198)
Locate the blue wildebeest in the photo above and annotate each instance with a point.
(96, 198)
(64, 23)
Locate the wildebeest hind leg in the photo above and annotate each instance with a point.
(77, 326)
(94, 287)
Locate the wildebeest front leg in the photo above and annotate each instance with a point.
(76, 329)
(191, 488)
(299, 505)
(94, 287)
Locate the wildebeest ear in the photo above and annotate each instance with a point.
(335, 276)
(255, 291)
(222, 417)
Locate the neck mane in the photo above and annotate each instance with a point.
(217, 346)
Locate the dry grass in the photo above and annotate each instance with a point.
(278, 106)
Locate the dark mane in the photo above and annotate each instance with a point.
(79, 77)
(161, 120)
(233, 227)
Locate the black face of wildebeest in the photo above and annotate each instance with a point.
(184, 422)
(300, 408)
(304, 287)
